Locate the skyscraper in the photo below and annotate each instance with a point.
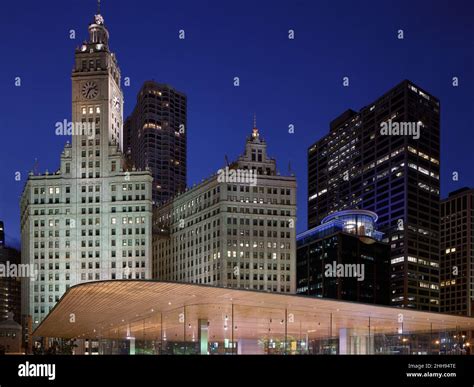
(235, 229)
(457, 252)
(155, 137)
(91, 219)
(385, 158)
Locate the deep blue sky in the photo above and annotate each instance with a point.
(284, 81)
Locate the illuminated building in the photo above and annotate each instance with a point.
(357, 166)
(231, 232)
(92, 218)
(154, 317)
(457, 252)
(155, 138)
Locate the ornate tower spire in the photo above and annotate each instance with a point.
(255, 133)
(98, 34)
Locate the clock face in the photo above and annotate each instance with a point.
(90, 90)
(116, 103)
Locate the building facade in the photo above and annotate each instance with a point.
(91, 219)
(10, 286)
(345, 259)
(457, 252)
(385, 158)
(235, 229)
(155, 137)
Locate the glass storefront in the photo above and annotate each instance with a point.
(239, 329)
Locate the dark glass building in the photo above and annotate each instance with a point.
(385, 158)
(457, 252)
(345, 259)
(10, 287)
(155, 137)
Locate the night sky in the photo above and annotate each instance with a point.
(284, 81)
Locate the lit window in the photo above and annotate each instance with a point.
(397, 260)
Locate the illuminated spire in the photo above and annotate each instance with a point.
(255, 129)
(98, 19)
(98, 34)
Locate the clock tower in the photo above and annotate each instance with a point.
(90, 220)
(97, 102)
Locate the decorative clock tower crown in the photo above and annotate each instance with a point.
(98, 34)
(97, 101)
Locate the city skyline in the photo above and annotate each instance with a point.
(222, 106)
(201, 187)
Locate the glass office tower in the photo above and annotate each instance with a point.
(385, 158)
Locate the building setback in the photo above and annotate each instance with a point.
(90, 220)
(385, 158)
(344, 259)
(155, 137)
(457, 252)
(229, 231)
